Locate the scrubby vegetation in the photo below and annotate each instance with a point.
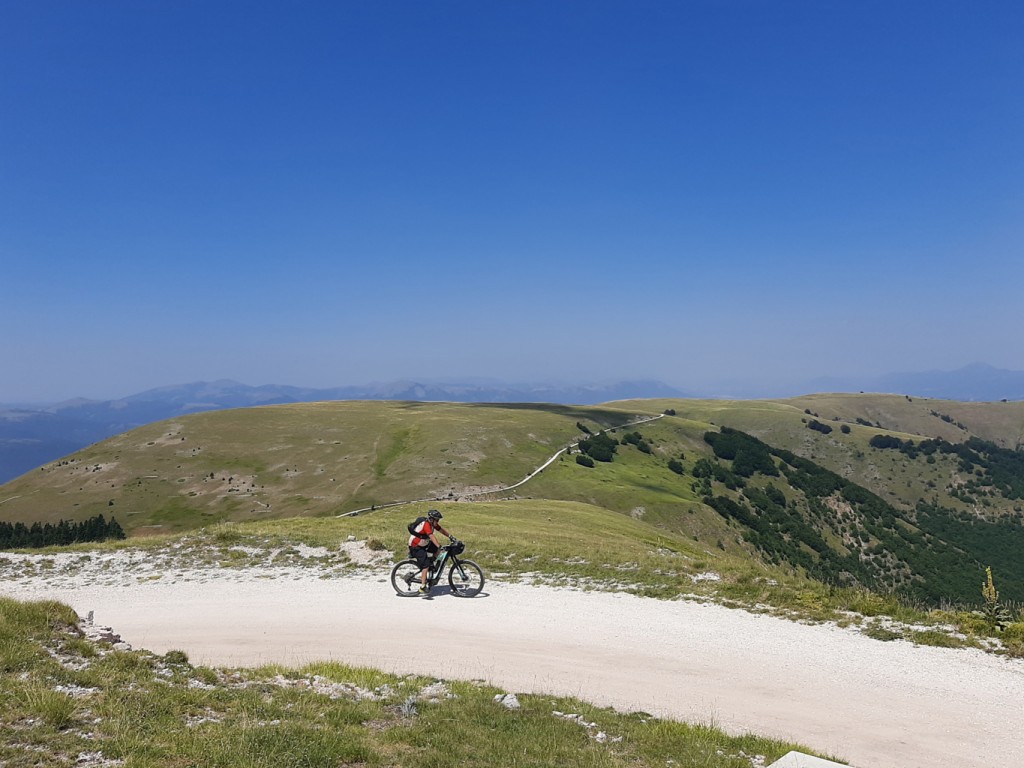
(994, 469)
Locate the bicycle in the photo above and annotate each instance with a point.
(465, 577)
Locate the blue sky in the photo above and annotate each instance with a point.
(335, 193)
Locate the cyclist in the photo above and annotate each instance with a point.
(423, 546)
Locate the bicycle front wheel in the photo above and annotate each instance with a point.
(465, 578)
(405, 578)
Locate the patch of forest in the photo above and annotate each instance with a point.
(841, 533)
(37, 535)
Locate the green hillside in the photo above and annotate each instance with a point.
(853, 420)
(310, 459)
(851, 490)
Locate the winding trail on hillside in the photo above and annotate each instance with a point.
(875, 704)
(502, 488)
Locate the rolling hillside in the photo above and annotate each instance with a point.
(34, 435)
(885, 492)
(310, 459)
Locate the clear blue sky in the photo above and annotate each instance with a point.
(328, 193)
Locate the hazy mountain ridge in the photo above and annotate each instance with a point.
(33, 435)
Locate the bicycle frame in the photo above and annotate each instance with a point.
(444, 557)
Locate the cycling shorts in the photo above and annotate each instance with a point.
(423, 555)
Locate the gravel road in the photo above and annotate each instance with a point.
(875, 704)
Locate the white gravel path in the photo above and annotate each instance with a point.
(875, 704)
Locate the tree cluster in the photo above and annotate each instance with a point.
(21, 536)
(599, 447)
(747, 454)
(635, 438)
(997, 543)
(933, 555)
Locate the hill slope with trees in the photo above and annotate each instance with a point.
(858, 504)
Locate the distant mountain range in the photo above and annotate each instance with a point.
(33, 436)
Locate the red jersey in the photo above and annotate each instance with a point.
(424, 530)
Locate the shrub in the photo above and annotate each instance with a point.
(176, 657)
(675, 466)
(879, 632)
(599, 447)
(584, 460)
(885, 441)
(1014, 632)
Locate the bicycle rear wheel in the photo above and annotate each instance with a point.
(405, 578)
(465, 578)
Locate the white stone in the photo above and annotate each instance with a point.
(509, 700)
(800, 760)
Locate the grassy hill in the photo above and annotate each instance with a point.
(899, 479)
(810, 492)
(295, 460)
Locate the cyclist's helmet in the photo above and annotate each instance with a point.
(434, 515)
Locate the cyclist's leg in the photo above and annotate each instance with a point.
(422, 557)
(432, 554)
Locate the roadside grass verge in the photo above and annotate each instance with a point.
(137, 709)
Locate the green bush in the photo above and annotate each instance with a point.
(1014, 631)
(599, 447)
(819, 427)
(884, 441)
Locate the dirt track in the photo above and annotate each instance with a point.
(875, 704)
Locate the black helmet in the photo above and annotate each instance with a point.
(434, 515)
